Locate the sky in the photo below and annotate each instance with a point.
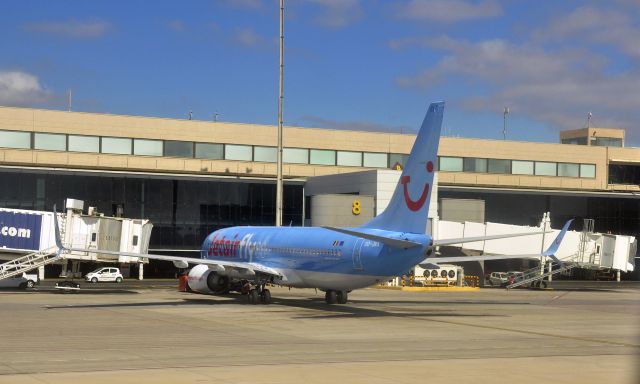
(349, 64)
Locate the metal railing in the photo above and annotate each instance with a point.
(28, 262)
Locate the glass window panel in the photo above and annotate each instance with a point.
(118, 145)
(519, 167)
(397, 159)
(238, 152)
(451, 164)
(147, 147)
(499, 166)
(545, 168)
(209, 151)
(268, 154)
(295, 155)
(178, 148)
(323, 157)
(84, 143)
(568, 170)
(472, 164)
(50, 141)
(350, 158)
(11, 139)
(607, 142)
(587, 170)
(375, 160)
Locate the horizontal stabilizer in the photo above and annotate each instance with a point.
(550, 252)
(397, 243)
(462, 240)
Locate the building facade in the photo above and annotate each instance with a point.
(192, 177)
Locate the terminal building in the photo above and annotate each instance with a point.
(192, 177)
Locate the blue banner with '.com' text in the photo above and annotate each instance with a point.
(20, 230)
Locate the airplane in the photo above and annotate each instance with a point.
(335, 260)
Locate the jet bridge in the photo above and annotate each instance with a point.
(31, 234)
(580, 249)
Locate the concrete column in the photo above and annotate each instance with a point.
(618, 275)
(41, 273)
(550, 269)
(140, 271)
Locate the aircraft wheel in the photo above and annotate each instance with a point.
(331, 297)
(266, 297)
(254, 296)
(343, 296)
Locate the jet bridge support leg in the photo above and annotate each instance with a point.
(140, 271)
(41, 272)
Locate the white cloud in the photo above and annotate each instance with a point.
(322, 122)
(556, 87)
(448, 11)
(246, 4)
(602, 26)
(177, 25)
(248, 37)
(337, 13)
(21, 88)
(71, 29)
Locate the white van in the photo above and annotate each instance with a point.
(104, 274)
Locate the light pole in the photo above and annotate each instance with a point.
(504, 123)
(280, 99)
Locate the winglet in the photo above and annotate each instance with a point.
(553, 248)
(56, 227)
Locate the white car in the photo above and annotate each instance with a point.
(104, 274)
(498, 278)
(21, 281)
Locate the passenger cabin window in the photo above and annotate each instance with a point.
(135, 240)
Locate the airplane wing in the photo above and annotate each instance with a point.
(550, 252)
(223, 267)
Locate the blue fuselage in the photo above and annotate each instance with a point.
(316, 257)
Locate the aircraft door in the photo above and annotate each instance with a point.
(357, 250)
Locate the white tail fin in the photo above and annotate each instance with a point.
(407, 211)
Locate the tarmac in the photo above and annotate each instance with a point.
(150, 333)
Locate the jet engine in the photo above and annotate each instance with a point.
(204, 280)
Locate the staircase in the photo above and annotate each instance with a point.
(534, 275)
(28, 262)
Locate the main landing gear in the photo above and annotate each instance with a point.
(259, 294)
(336, 297)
